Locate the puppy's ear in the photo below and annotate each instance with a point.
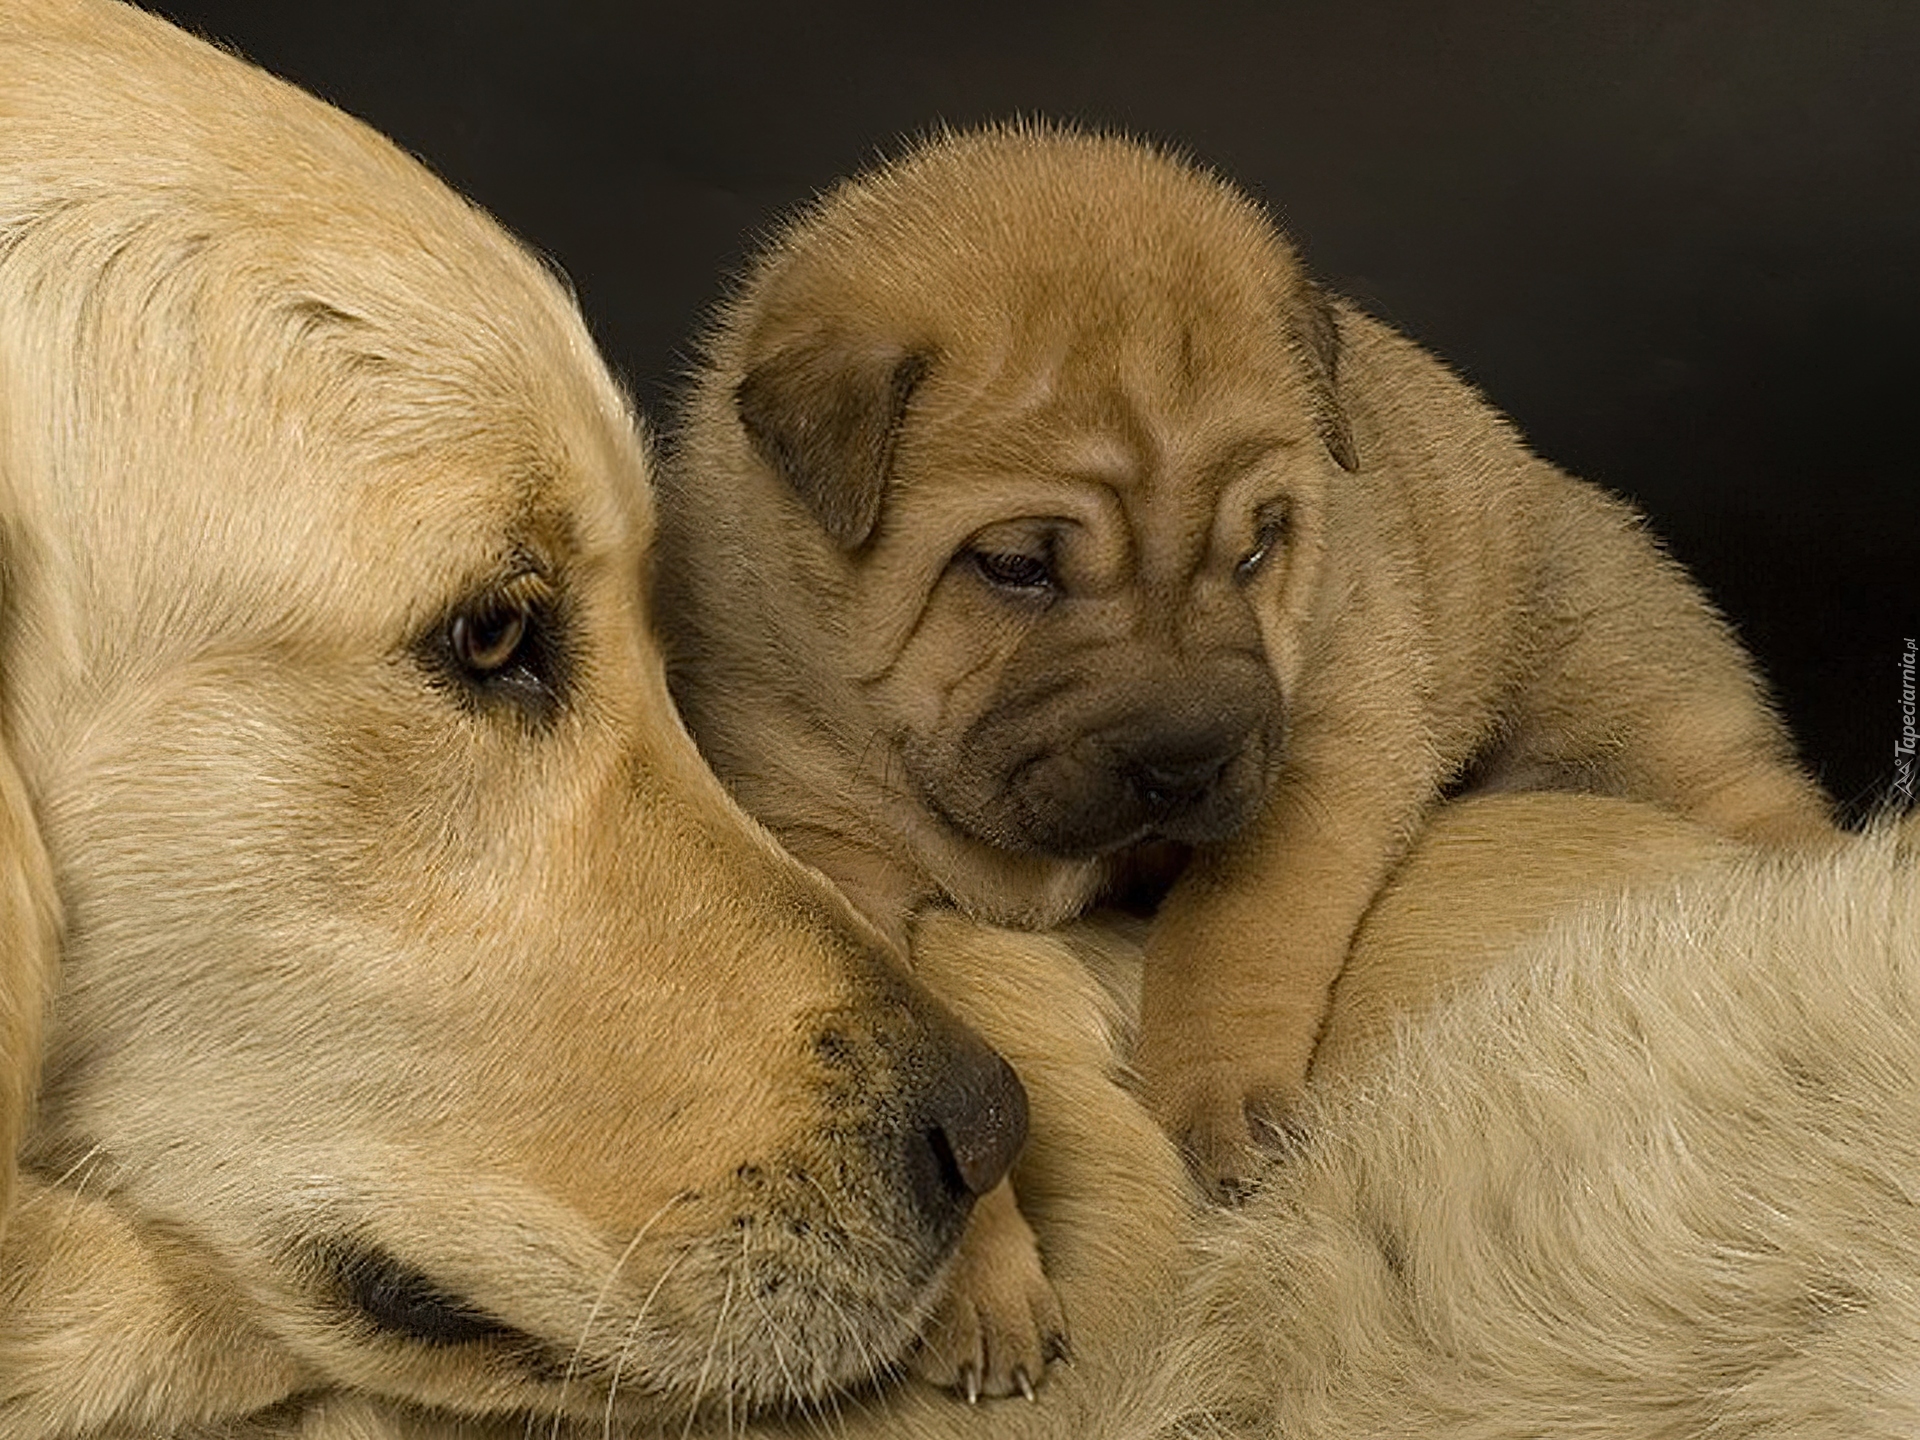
(1316, 337)
(29, 943)
(825, 411)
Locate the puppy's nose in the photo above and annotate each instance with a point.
(1167, 783)
(970, 1123)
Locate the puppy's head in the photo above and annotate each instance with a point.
(1052, 418)
(419, 983)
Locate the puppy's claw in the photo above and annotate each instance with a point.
(1222, 1162)
(999, 1323)
(1230, 1192)
(1231, 1136)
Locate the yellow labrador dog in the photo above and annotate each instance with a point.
(426, 1022)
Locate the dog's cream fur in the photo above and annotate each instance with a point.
(427, 1019)
(1655, 1177)
(1646, 1168)
(347, 960)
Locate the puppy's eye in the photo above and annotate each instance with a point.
(1270, 534)
(1015, 570)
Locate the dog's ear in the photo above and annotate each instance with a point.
(1316, 337)
(824, 411)
(29, 942)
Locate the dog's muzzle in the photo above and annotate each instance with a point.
(943, 1115)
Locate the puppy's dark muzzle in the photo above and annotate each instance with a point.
(1194, 798)
(1168, 787)
(1100, 796)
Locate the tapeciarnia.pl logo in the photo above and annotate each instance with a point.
(1903, 748)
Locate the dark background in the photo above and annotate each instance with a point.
(1676, 241)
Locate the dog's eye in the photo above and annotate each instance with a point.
(1015, 570)
(505, 646)
(1267, 538)
(485, 640)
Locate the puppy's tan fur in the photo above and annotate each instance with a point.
(431, 1029)
(1264, 533)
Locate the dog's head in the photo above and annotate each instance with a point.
(420, 991)
(1052, 419)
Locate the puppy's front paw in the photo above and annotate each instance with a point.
(1228, 1125)
(1000, 1322)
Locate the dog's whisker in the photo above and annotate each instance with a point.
(733, 1383)
(632, 1338)
(85, 1162)
(599, 1304)
(706, 1366)
(776, 1334)
(871, 1364)
(89, 1162)
(835, 1207)
(731, 1371)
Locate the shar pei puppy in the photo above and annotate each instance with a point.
(1038, 527)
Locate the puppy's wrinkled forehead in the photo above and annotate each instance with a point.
(1119, 297)
(1080, 233)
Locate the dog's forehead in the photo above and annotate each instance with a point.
(342, 433)
(490, 421)
(246, 343)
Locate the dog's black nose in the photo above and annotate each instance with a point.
(945, 1114)
(979, 1122)
(969, 1125)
